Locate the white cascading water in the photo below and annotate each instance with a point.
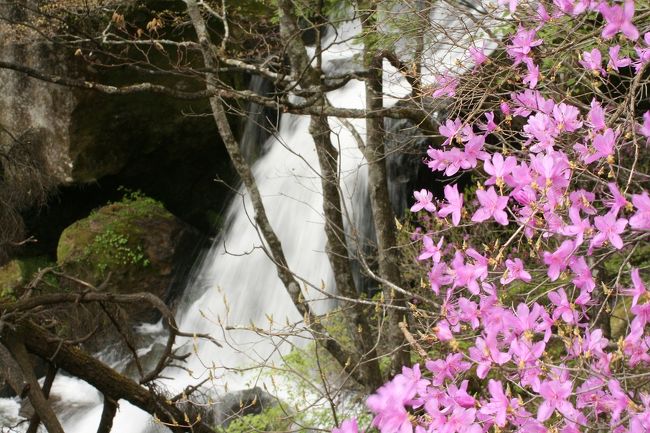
(237, 284)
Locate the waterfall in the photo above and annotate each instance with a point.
(236, 286)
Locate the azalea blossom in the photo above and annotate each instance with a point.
(641, 219)
(515, 271)
(492, 206)
(609, 229)
(618, 18)
(616, 62)
(431, 250)
(454, 206)
(424, 201)
(593, 61)
(555, 394)
(522, 44)
(558, 260)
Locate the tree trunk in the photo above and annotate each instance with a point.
(382, 212)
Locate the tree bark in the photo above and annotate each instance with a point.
(108, 414)
(382, 212)
(47, 386)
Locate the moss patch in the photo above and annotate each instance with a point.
(17, 273)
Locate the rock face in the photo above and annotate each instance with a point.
(130, 246)
(83, 139)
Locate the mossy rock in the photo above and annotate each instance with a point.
(129, 246)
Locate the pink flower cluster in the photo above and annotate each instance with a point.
(560, 194)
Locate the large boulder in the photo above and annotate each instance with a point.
(133, 245)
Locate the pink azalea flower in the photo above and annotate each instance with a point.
(593, 61)
(566, 117)
(439, 276)
(461, 421)
(480, 263)
(505, 108)
(500, 408)
(639, 287)
(604, 145)
(596, 116)
(583, 200)
(438, 161)
(498, 168)
(583, 279)
(460, 396)
(478, 56)
(465, 275)
(445, 86)
(542, 128)
(525, 352)
(430, 250)
(531, 100)
(614, 61)
(469, 312)
(619, 19)
(572, 7)
(442, 331)
(563, 308)
(521, 179)
(522, 44)
(448, 368)
(617, 401)
(457, 161)
(388, 405)
(558, 260)
(526, 321)
(347, 426)
(451, 130)
(555, 394)
(492, 205)
(490, 126)
(578, 226)
(515, 271)
(590, 393)
(593, 344)
(553, 169)
(474, 151)
(609, 229)
(424, 201)
(455, 206)
(618, 200)
(641, 219)
(532, 77)
(485, 353)
(542, 14)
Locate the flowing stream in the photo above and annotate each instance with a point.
(236, 285)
